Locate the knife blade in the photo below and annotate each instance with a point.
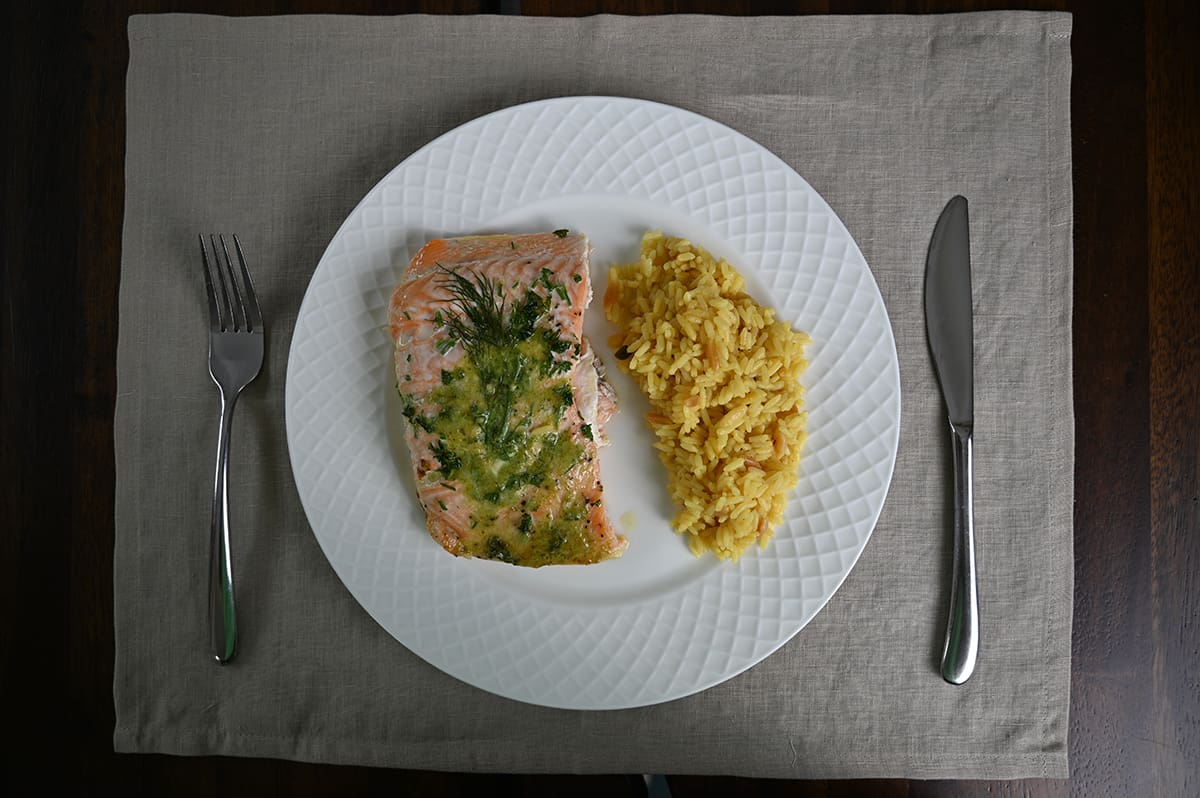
(949, 327)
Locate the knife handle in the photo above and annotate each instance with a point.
(962, 630)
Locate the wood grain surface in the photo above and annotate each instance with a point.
(1135, 703)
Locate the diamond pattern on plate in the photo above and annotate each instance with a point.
(672, 643)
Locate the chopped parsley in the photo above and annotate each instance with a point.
(554, 343)
(415, 418)
(562, 232)
(546, 278)
(565, 394)
(448, 460)
(497, 549)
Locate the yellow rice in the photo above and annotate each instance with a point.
(723, 378)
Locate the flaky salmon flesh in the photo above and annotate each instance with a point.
(506, 402)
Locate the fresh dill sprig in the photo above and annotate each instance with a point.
(482, 319)
(490, 336)
(481, 310)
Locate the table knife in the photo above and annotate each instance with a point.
(948, 323)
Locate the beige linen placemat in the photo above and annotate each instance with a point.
(275, 128)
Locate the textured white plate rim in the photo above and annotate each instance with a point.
(616, 698)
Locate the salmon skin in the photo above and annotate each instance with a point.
(506, 402)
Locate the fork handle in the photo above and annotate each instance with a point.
(221, 616)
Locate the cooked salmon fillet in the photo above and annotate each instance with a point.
(505, 399)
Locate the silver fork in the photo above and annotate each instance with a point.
(235, 355)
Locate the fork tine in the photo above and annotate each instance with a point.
(224, 307)
(214, 311)
(253, 314)
(239, 307)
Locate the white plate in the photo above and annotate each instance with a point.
(656, 624)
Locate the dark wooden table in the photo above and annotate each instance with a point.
(1135, 699)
